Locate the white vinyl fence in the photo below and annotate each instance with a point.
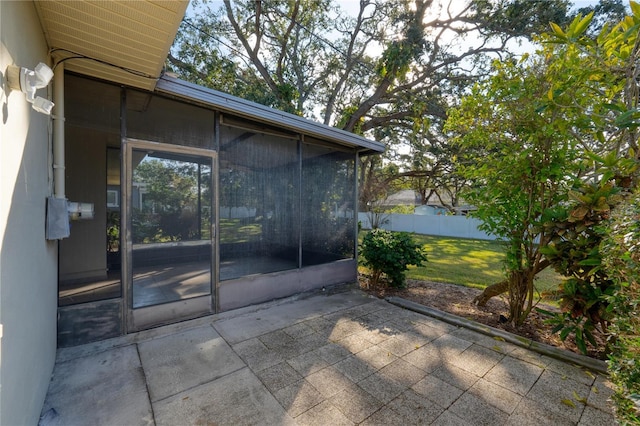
(440, 225)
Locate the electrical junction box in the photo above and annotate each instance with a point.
(80, 211)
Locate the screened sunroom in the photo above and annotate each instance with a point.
(201, 203)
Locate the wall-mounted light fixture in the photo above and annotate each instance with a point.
(28, 81)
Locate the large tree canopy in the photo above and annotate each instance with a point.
(388, 69)
(389, 63)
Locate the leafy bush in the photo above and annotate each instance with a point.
(621, 251)
(574, 252)
(390, 253)
(401, 209)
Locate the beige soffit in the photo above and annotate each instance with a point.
(126, 42)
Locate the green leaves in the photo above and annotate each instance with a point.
(629, 119)
(390, 253)
(558, 31)
(526, 157)
(575, 30)
(580, 327)
(621, 257)
(579, 26)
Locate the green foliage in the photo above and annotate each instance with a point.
(402, 209)
(168, 211)
(390, 253)
(555, 141)
(565, 324)
(574, 251)
(385, 69)
(523, 17)
(113, 231)
(521, 162)
(602, 68)
(606, 12)
(347, 113)
(621, 253)
(469, 262)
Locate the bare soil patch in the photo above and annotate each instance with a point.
(458, 300)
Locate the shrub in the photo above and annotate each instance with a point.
(621, 251)
(390, 253)
(401, 209)
(574, 252)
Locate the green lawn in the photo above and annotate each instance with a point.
(233, 231)
(472, 263)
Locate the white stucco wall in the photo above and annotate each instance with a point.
(28, 263)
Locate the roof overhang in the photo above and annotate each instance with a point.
(126, 42)
(226, 103)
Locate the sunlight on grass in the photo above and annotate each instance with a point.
(472, 263)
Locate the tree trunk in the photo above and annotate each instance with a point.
(491, 291)
(503, 286)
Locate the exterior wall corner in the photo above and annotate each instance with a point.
(28, 262)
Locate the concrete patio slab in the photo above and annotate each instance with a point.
(532, 413)
(600, 393)
(560, 394)
(181, 361)
(515, 374)
(449, 419)
(475, 410)
(236, 399)
(595, 417)
(499, 397)
(298, 397)
(356, 403)
(235, 329)
(477, 359)
(354, 368)
(438, 391)
(341, 358)
(414, 409)
(107, 388)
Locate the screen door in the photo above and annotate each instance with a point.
(170, 233)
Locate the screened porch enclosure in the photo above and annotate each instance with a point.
(283, 204)
(199, 208)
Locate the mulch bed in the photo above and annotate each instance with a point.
(458, 300)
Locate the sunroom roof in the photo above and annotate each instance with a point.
(226, 103)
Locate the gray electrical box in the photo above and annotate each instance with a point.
(57, 221)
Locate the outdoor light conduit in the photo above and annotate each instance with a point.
(58, 133)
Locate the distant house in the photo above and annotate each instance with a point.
(194, 201)
(405, 197)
